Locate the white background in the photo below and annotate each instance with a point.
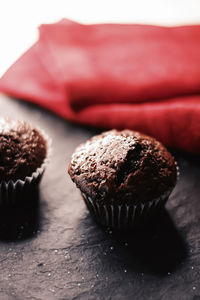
(19, 19)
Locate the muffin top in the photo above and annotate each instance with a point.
(22, 149)
(123, 167)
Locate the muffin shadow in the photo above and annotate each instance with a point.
(20, 221)
(157, 247)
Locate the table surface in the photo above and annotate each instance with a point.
(51, 248)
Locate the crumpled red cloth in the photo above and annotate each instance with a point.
(141, 77)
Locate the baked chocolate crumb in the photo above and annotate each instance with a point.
(123, 167)
(22, 149)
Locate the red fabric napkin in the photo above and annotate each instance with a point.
(116, 76)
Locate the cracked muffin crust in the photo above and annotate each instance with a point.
(22, 149)
(122, 167)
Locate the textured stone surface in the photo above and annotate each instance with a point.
(50, 248)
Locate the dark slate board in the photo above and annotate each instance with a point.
(51, 248)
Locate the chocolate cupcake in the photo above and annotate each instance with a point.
(124, 176)
(23, 154)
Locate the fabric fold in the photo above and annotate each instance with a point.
(141, 77)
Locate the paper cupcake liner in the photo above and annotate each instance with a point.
(14, 191)
(124, 215)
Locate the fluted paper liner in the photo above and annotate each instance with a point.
(124, 215)
(13, 191)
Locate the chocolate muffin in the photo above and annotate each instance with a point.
(23, 150)
(123, 175)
